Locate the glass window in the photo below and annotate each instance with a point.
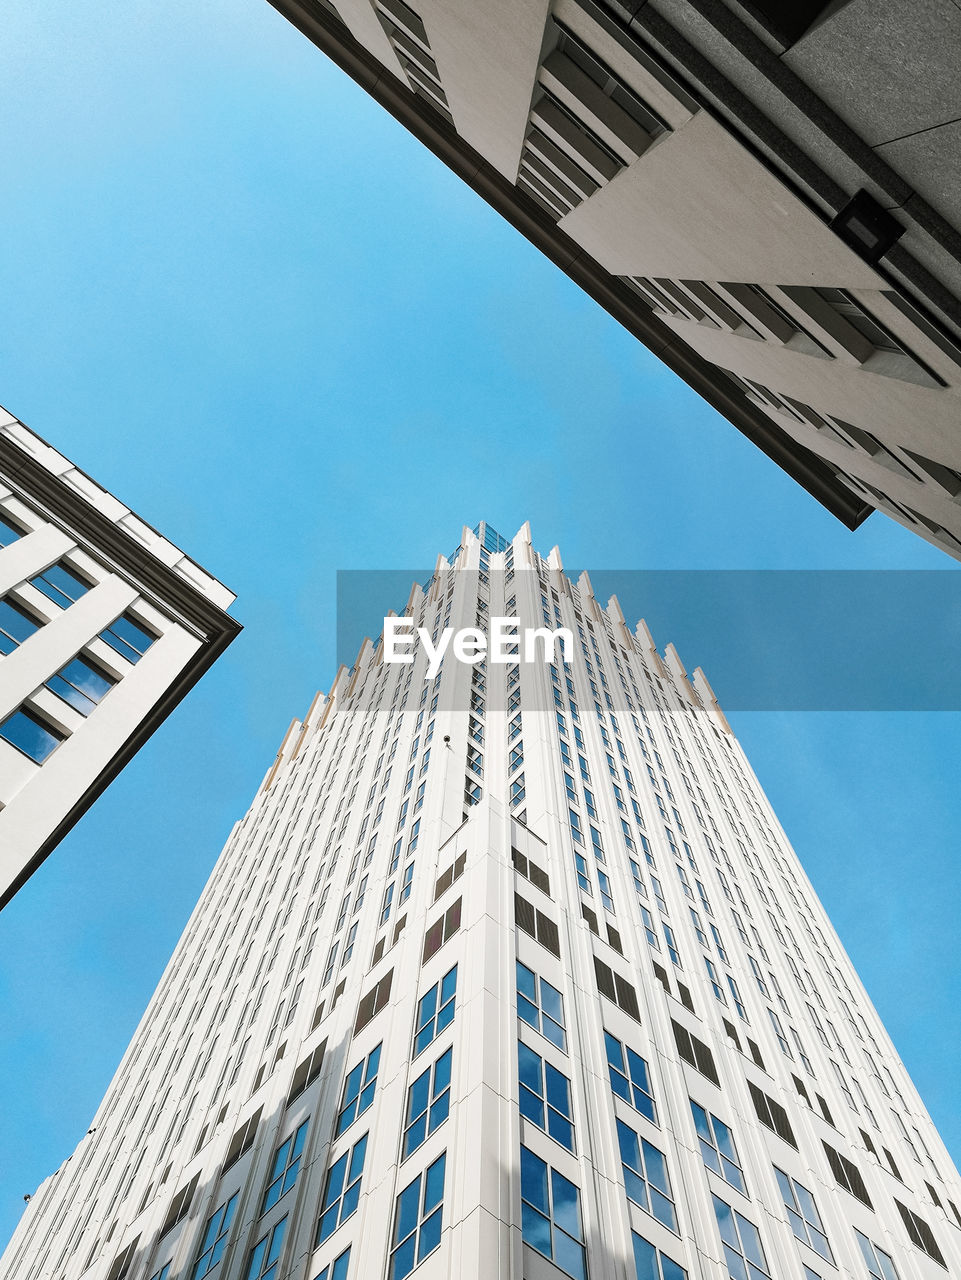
(736, 997)
(651, 1264)
(698, 928)
(541, 1006)
(265, 1255)
(16, 624)
(358, 1091)
(418, 1220)
(129, 638)
(9, 531)
(842, 302)
(551, 1215)
(630, 1078)
(428, 1102)
(81, 684)
(31, 735)
(286, 1166)
(341, 1190)
(779, 1033)
(435, 1011)
(646, 1179)
(713, 978)
(214, 1238)
(61, 584)
(717, 1146)
(338, 1269)
(803, 1215)
(879, 1264)
(545, 1096)
(743, 1250)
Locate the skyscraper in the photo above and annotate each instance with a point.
(104, 626)
(507, 972)
(755, 189)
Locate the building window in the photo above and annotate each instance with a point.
(408, 882)
(736, 997)
(358, 1091)
(717, 1146)
(120, 1267)
(284, 1170)
(243, 1138)
(565, 159)
(16, 624)
(537, 925)
(541, 1006)
(779, 1033)
(609, 84)
(418, 1220)
(372, 1003)
(803, 1215)
(545, 1096)
(447, 878)
(743, 1250)
(695, 1052)
(61, 584)
(408, 36)
(341, 1190)
(877, 339)
(847, 1175)
(265, 1255)
(36, 738)
(442, 930)
(214, 1238)
(428, 1103)
(879, 1264)
(308, 1070)
(10, 531)
(551, 1215)
(646, 1179)
(616, 989)
(337, 1270)
(81, 684)
(920, 1233)
(179, 1206)
(435, 1011)
(129, 638)
(714, 980)
(772, 1114)
(630, 1078)
(651, 1264)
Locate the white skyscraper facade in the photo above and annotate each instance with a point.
(508, 972)
(105, 625)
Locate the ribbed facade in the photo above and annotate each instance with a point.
(509, 973)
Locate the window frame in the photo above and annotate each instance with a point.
(443, 1009)
(425, 1214)
(290, 1150)
(434, 1099)
(638, 1178)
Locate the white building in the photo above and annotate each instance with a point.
(104, 626)
(766, 193)
(511, 973)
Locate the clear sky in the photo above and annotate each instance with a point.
(241, 297)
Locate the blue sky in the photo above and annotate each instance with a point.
(241, 297)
